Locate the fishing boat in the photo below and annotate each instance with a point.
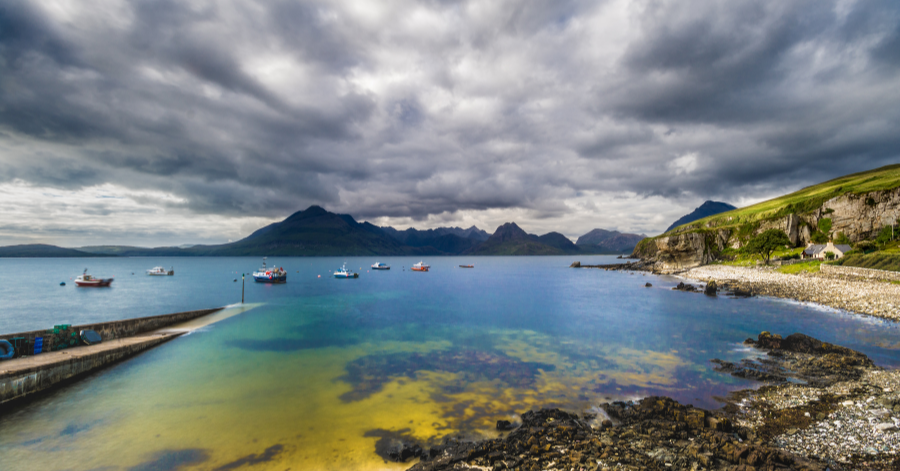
(270, 274)
(87, 281)
(160, 271)
(344, 273)
(467, 266)
(380, 266)
(420, 267)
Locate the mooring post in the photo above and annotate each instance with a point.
(242, 288)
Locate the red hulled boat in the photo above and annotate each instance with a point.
(87, 281)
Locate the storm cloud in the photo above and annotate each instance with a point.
(561, 115)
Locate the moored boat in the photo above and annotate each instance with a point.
(344, 273)
(87, 281)
(270, 274)
(420, 267)
(160, 271)
(467, 266)
(380, 266)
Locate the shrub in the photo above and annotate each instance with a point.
(819, 237)
(829, 255)
(865, 246)
(841, 239)
(825, 225)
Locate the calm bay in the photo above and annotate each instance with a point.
(319, 368)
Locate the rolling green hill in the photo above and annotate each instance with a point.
(42, 250)
(799, 202)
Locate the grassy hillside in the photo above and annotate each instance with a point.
(878, 261)
(804, 201)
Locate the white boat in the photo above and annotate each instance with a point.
(380, 266)
(160, 271)
(344, 273)
(420, 267)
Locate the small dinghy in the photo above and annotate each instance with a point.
(89, 337)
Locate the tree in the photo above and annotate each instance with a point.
(767, 243)
(885, 235)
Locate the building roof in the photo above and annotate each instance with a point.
(814, 249)
(844, 248)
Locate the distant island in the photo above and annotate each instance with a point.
(317, 232)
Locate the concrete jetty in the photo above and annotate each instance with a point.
(29, 374)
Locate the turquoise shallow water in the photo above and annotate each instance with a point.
(321, 368)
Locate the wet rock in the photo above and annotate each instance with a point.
(711, 288)
(396, 446)
(648, 285)
(504, 425)
(682, 286)
(798, 356)
(575, 265)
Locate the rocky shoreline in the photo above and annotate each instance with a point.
(824, 407)
(859, 295)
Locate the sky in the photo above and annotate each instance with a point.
(170, 122)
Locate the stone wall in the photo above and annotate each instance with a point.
(107, 330)
(23, 382)
(860, 272)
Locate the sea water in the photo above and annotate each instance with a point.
(311, 374)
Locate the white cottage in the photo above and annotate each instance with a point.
(819, 250)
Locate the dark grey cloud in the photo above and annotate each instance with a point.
(434, 108)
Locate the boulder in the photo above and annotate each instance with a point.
(711, 288)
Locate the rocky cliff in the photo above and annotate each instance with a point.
(857, 216)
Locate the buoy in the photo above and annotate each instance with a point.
(320, 276)
(235, 280)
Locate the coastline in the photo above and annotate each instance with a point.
(853, 294)
(822, 407)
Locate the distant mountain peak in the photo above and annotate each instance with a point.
(508, 231)
(708, 208)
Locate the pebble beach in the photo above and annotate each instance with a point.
(862, 296)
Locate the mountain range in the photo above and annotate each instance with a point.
(317, 232)
(603, 241)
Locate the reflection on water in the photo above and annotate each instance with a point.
(324, 370)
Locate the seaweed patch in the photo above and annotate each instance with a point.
(173, 460)
(367, 375)
(254, 458)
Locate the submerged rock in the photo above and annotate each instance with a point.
(504, 425)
